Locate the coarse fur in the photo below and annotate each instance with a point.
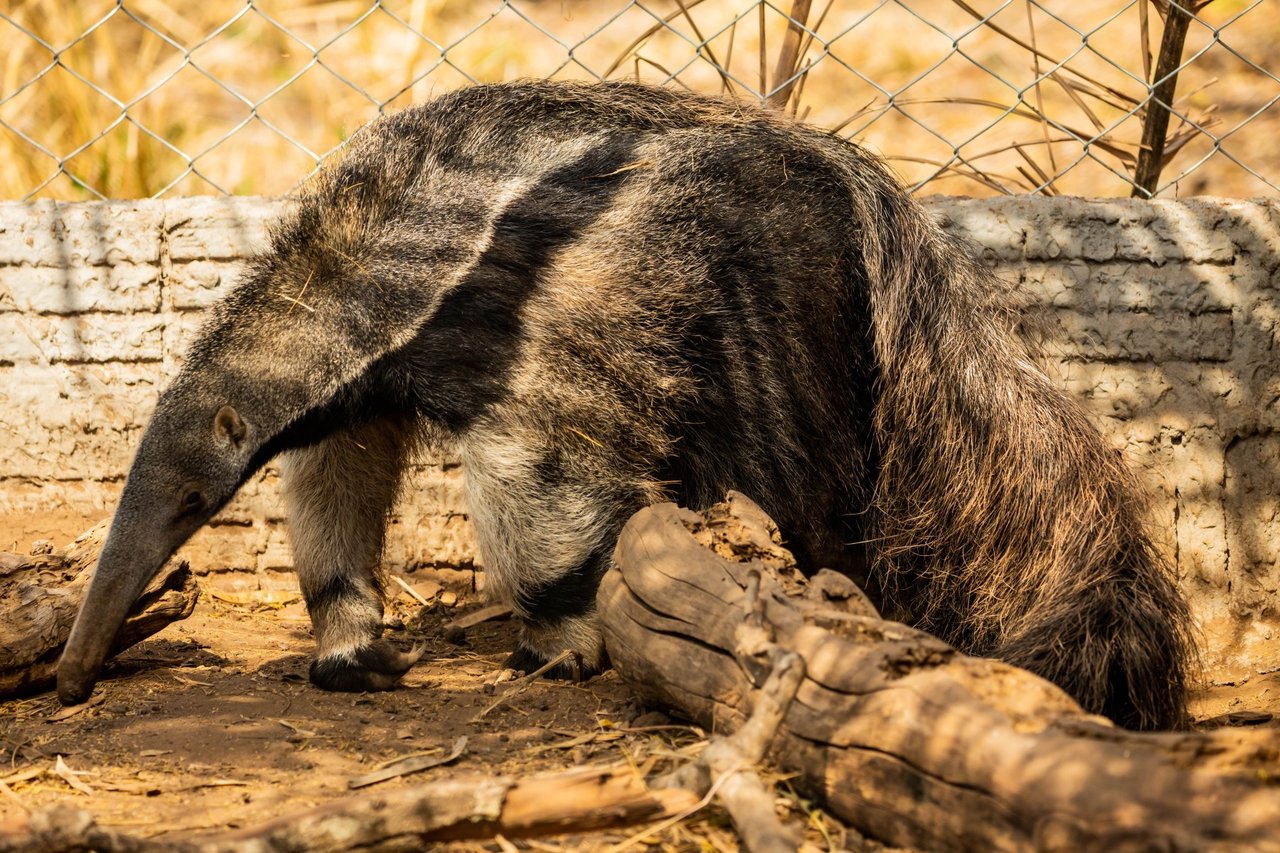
(602, 296)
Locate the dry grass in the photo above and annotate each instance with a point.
(220, 96)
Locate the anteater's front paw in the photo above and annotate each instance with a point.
(377, 665)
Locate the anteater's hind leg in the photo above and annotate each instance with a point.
(547, 522)
(338, 493)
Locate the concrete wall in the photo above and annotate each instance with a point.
(1163, 318)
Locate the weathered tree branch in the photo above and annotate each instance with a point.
(448, 810)
(1155, 119)
(900, 735)
(727, 764)
(39, 597)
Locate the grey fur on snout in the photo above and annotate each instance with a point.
(117, 582)
(181, 475)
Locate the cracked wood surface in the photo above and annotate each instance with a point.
(578, 800)
(901, 735)
(39, 597)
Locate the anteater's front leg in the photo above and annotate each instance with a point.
(338, 493)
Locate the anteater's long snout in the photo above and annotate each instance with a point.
(117, 582)
(76, 678)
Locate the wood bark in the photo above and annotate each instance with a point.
(726, 767)
(905, 738)
(40, 595)
(401, 819)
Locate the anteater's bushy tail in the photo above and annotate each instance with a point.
(1002, 521)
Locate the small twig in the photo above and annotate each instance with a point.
(728, 58)
(433, 752)
(357, 265)
(412, 592)
(61, 770)
(544, 846)
(672, 821)
(639, 164)
(1144, 33)
(1035, 67)
(812, 34)
(412, 764)
(730, 759)
(297, 730)
(298, 299)
(986, 21)
(582, 435)
(255, 602)
(764, 78)
(633, 730)
(1118, 102)
(8, 792)
(217, 783)
(1045, 181)
(579, 740)
(647, 34)
(711, 56)
(966, 171)
(475, 617)
(1155, 124)
(24, 775)
(1071, 93)
(789, 56)
(580, 800)
(658, 65)
(527, 682)
(71, 710)
(771, 702)
(799, 91)
(725, 766)
(753, 637)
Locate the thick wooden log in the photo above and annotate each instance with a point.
(581, 800)
(905, 738)
(40, 595)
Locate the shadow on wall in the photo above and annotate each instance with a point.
(96, 302)
(1161, 316)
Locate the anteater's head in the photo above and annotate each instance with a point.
(194, 455)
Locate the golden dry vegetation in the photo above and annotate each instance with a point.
(172, 97)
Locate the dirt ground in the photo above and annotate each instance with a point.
(212, 724)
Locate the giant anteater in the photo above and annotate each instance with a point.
(600, 296)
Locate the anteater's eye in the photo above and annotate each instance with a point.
(192, 501)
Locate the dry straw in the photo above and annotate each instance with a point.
(135, 98)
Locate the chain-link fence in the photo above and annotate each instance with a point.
(135, 98)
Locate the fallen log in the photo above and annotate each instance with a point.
(726, 767)
(403, 819)
(39, 597)
(897, 733)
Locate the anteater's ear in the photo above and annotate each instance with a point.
(228, 426)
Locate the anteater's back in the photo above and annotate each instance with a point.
(687, 288)
(671, 295)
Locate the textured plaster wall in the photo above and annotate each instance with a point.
(1162, 317)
